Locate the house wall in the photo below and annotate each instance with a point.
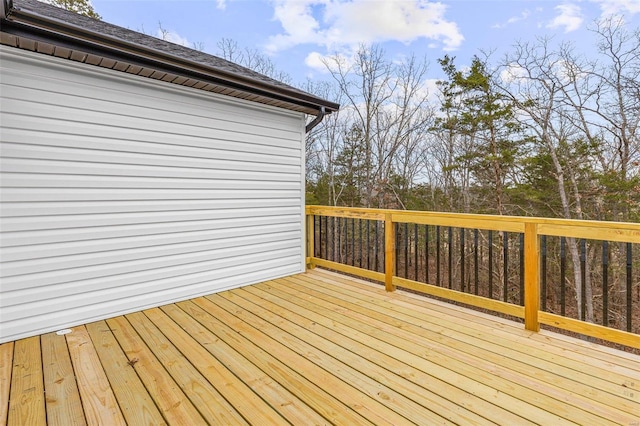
(121, 193)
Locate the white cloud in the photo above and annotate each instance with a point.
(172, 37)
(221, 4)
(514, 19)
(570, 18)
(512, 73)
(325, 63)
(316, 61)
(338, 23)
(619, 7)
(434, 92)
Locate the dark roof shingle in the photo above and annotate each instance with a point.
(41, 16)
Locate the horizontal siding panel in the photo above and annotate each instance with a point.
(190, 287)
(132, 241)
(211, 269)
(31, 238)
(144, 142)
(234, 253)
(15, 224)
(93, 110)
(38, 165)
(119, 193)
(23, 210)
(21, 180)
(113, 87)
(10, 195)
(85, 155)
(40, 299)
(227, 140)
(227, 239)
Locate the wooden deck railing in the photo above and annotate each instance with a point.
(407, 249)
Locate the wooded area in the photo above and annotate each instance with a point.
(544, 131)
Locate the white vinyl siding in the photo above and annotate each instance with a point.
(120, 193)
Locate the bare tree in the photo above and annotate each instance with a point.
(537, 88)
(603, 98)
(388, 104)
(252, 59)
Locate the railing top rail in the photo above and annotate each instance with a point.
(589, 229)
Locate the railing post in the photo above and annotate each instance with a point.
(310, 241)
(531, 276)
(389, 252)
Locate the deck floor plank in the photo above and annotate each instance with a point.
(282, 370)
(451, 352)
(570, 354)
(136, 404)
(441, 394)
(63, 403)
(174, 405)
(254, 394)
(422, 354)
(6, 367)
(26, 400)
(522, 359)
(583, 352)
(207, 400)
(510, 368)
(98, 400)
(358, 395)
(381, 367)
(394, 392)
(314, 348)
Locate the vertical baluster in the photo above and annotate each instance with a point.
(543, 254)
(426, 253)
(406, 250)
(329, 238)
(353, 242)
(319, 239)
(605, 283)
(505, 267)
(475, 261)
(397, 232)
(415, 253)
(336, 229)
(375, 246)
(521, 248)
(490, 264)
(438, 276)
(321, 236)
(339, 240)
(462, 260)
(360, 241)
(583, 281)
(450, 265)
(563, 273)
(316, 237)
(368, 250)
(629, 272)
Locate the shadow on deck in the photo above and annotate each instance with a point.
(315, 348)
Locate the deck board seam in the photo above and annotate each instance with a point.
(367, 351)
(450, 326)
(470, 381)
(505, 373)
(328, 355)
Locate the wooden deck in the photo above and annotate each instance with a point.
(316, 348)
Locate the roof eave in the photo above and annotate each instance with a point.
(41, 28)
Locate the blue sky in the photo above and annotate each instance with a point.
(296, 34)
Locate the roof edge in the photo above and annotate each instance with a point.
(30, 21)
